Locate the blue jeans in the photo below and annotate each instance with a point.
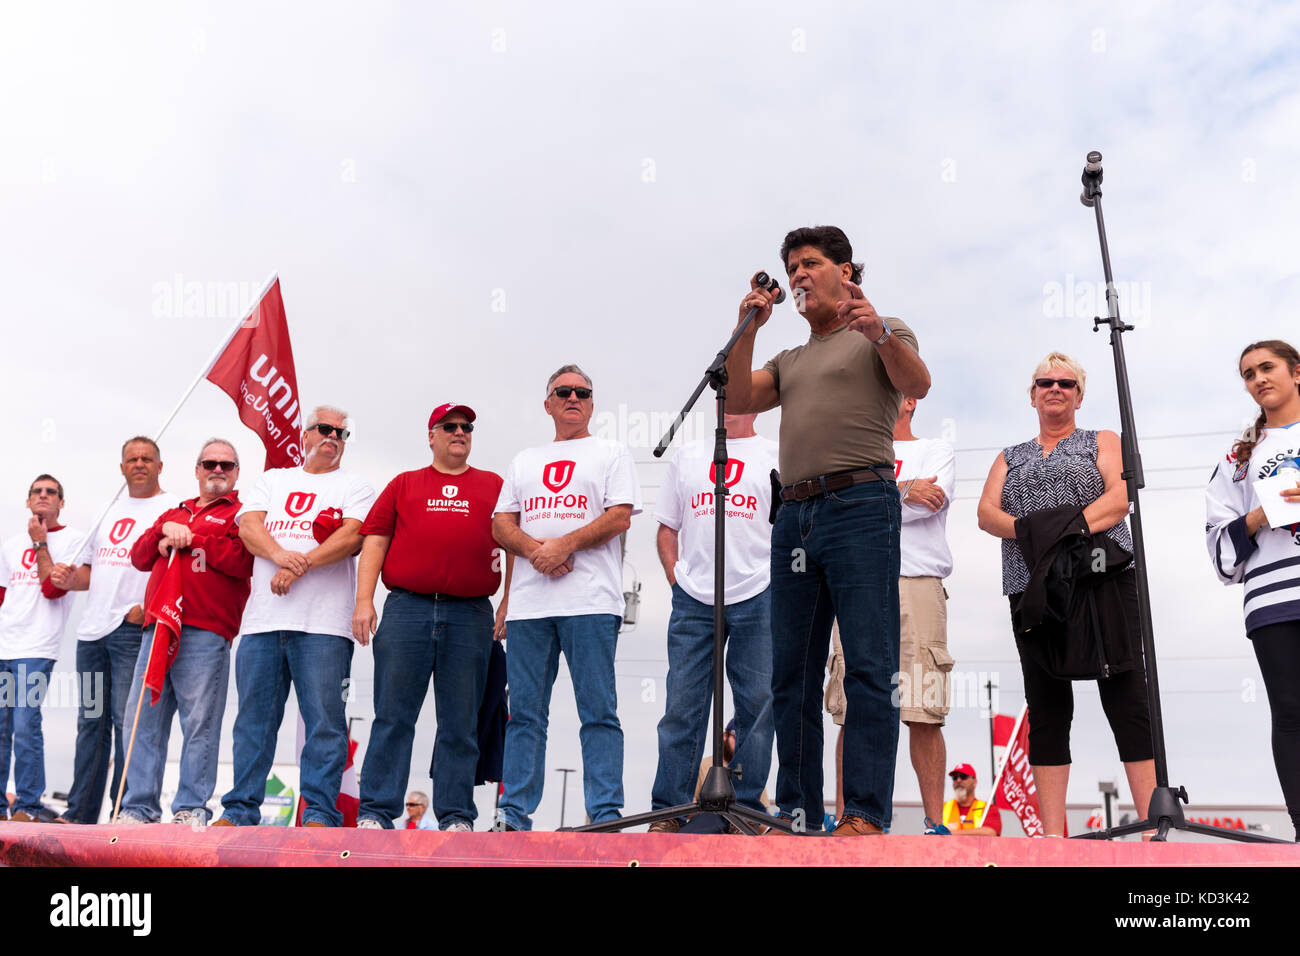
(23, 683)
(196, 689)
(686, 725)
(318, 667)
(532, 663)
(105, 667)
(836, 556)
(419, 636)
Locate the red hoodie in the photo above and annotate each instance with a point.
(215, 586)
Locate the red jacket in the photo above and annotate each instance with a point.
(215, 584)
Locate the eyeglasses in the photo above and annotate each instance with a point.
(415, 804)
(960, 776)
(564, 391)
(450, 427)
(37, 492)
(1065, 383)
(328, 430)
(211, 464)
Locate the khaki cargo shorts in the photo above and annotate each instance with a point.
(924, 693)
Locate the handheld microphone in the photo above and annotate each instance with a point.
(765, 281)
(1091, 177)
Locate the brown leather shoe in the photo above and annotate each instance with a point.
(223, 822)
(852, 825)
(315, 823)
(665, 826)
(22, 816)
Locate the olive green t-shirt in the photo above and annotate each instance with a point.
(838, 406)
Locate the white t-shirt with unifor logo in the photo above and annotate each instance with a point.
(556, 489)
(686, 505)
(924, 542)
(322, 600)
(31, 624)
(115, 585)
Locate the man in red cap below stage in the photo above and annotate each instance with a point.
(214, 568)
(430, 531)
(303, 527)
(33, 613)
(961, 816)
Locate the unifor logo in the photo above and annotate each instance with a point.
(449, 491)
(557, 475)
(735, 468)
(29, 557)
(298, 502)
(117, 534)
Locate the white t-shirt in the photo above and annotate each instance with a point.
(556, 489)
(31, 624)
(322, 600)
(686, 505)
(115, 585)
(923, 543)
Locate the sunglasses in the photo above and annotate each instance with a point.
(328, 430)
(450, 427)
(564, 391)
(1065, 383)
(211, 464)
(960, 776)
(37, 492)
(415, 804)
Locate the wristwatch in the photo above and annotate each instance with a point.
(37, 545)
(888, 333)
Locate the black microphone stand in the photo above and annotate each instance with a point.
(1163, 813)
(717, 794)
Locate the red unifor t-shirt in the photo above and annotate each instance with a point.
(441, 526)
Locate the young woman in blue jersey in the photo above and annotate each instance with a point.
(1246, 549)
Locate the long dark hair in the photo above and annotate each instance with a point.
(1247, 442)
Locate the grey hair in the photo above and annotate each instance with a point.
(217, 441)
(420, 797)
(565, 370)
(314, 416)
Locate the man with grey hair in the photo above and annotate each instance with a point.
(562, 509)
(202, 537)
(302, 525)
(418, 816)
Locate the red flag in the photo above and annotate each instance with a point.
(1014, 789)
(256, 370)
(165, 609)
(1003, 725)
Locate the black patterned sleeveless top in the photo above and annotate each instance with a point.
(1068, 476)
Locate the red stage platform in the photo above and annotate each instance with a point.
(28, 844)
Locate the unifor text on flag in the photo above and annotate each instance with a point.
(165, 609)
(256, 371)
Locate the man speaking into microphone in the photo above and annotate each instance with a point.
(835, 545)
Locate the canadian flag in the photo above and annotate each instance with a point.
(164, 611)
(349, 801)
(256, 371)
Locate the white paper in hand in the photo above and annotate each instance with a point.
(1277, 509)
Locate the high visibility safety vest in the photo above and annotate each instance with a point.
(952, 815)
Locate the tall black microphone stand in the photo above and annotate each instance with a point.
(1163, 813)
(717, 795)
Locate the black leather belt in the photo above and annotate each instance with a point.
(822, 484)
(442, 597)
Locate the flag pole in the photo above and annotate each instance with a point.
(997, 781)
(266, 287)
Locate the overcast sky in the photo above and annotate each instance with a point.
(458, 199)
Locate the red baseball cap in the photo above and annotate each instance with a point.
(965, 768)
(442, 411)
